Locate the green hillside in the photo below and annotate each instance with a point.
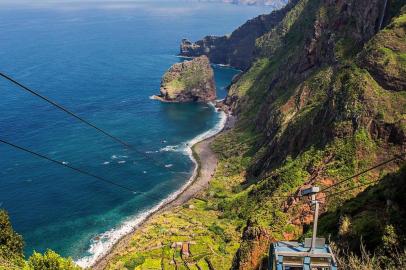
(324, 99)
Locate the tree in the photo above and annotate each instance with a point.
(11, 243)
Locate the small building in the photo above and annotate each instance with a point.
(185, 250)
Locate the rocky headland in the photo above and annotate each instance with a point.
(189, 81)
(238, 49)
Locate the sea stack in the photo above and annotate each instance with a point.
(189, 81)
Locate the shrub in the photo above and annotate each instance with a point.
(366, 261)
(134, 262)
(50, 261)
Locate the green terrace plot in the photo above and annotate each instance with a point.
(161, 243)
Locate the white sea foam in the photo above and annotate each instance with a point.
(121, 161)
(101, 245)
(168, 165)
(118, 156)
(106, 162)
(173, 148)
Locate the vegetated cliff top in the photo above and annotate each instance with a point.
(189, 81)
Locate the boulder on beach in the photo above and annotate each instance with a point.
(189, 81)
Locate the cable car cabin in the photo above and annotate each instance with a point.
(300, 256)
(313, 254)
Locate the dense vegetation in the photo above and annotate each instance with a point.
(12, 256)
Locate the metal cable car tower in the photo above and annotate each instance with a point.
(313, 254)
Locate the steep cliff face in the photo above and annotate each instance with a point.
(237, 49)
(189, 81)
(326, 95)
(313, 89)
(253, 248)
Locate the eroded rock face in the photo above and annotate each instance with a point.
(254, 247)
(237, 49)
(189, 81)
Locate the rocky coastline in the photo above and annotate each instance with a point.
(206, 163)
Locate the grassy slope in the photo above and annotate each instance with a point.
(215, 237)
(377, 214)
(328, 100)
(270, 154)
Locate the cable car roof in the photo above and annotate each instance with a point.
(295, 254)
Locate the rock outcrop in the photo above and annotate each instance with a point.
(189, 81)
(237, 49)
(255, 243)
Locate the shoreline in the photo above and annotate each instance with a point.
(202, 174)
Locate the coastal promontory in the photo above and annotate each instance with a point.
(239, 48)
(189, 81)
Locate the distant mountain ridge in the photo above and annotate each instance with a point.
(272, 3)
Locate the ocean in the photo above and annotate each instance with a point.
(102, 60)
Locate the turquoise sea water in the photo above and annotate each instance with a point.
(103, 60)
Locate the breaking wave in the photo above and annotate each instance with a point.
(102, 244)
